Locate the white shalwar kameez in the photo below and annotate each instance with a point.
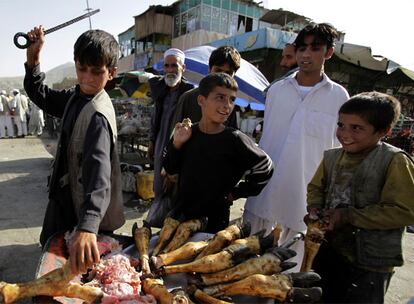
(21, 105)
(295, 134)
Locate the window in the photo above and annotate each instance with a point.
(215, 19)
(250, 11)
(206, 17)
(249, 24)
(234, 6)
(242, 9)
(241, 24)
(225, 4)
(198, 17)
(255, 24)
(192, 20)
(184, 5)
(194, 3)
(183, 23)
(224, 22)
(176, 25)
(217, 3)
(233, 20)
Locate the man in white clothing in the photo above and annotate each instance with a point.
(21, 107)
(299, 124)
(5, 116)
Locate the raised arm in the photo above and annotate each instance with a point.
(171, 161)
(51, 101)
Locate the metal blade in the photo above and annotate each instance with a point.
(48, 31)
(74, 20)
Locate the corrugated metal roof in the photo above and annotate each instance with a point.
(407, 72)
(282, 17)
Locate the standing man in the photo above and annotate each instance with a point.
(20, 107)
(299, 124)
(288, 64)
(5, 116)
(165, 92)
(37, 121)
(225, 59)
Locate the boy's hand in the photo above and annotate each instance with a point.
(37, 37)
(231, 197)
(314, 214)
(83, 252)
(182, 133)
(336, 218)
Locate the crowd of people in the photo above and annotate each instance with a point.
(363, 189)
(19, 117)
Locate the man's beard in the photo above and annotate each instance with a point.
(172, 79)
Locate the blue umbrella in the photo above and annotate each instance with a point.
(250, 80)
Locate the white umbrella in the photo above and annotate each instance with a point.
(250, 80)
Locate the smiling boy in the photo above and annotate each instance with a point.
(224, 59)
(85, 186)
(211, 158)
(365, 190)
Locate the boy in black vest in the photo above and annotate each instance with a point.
(84, 189)
(364, 191)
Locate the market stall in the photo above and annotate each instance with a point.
(133, 109)
(133, 121)
(236, 268)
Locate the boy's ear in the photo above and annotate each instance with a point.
(112, 73)
(200, 100)
(385, 132)
(329, 52)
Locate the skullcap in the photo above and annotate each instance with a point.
(175, 52)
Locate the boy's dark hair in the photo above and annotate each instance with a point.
(380, 110)
(208, 83)
(323, 33)
(96, 48)
(225, 54)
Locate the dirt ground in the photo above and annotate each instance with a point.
(24, 165)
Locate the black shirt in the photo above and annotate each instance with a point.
(210, 167)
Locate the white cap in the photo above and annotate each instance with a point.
(15, 91)
(175, 52)
(3, 92)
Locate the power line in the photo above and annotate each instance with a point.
(89, 9)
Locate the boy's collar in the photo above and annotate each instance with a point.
(79, 93)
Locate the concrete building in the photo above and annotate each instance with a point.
(259, 35)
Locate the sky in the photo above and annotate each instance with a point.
(385, 26)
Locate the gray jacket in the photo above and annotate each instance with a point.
(113, 217)
(374, 247)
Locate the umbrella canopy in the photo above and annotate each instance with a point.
(250, 80)
(135, 84)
